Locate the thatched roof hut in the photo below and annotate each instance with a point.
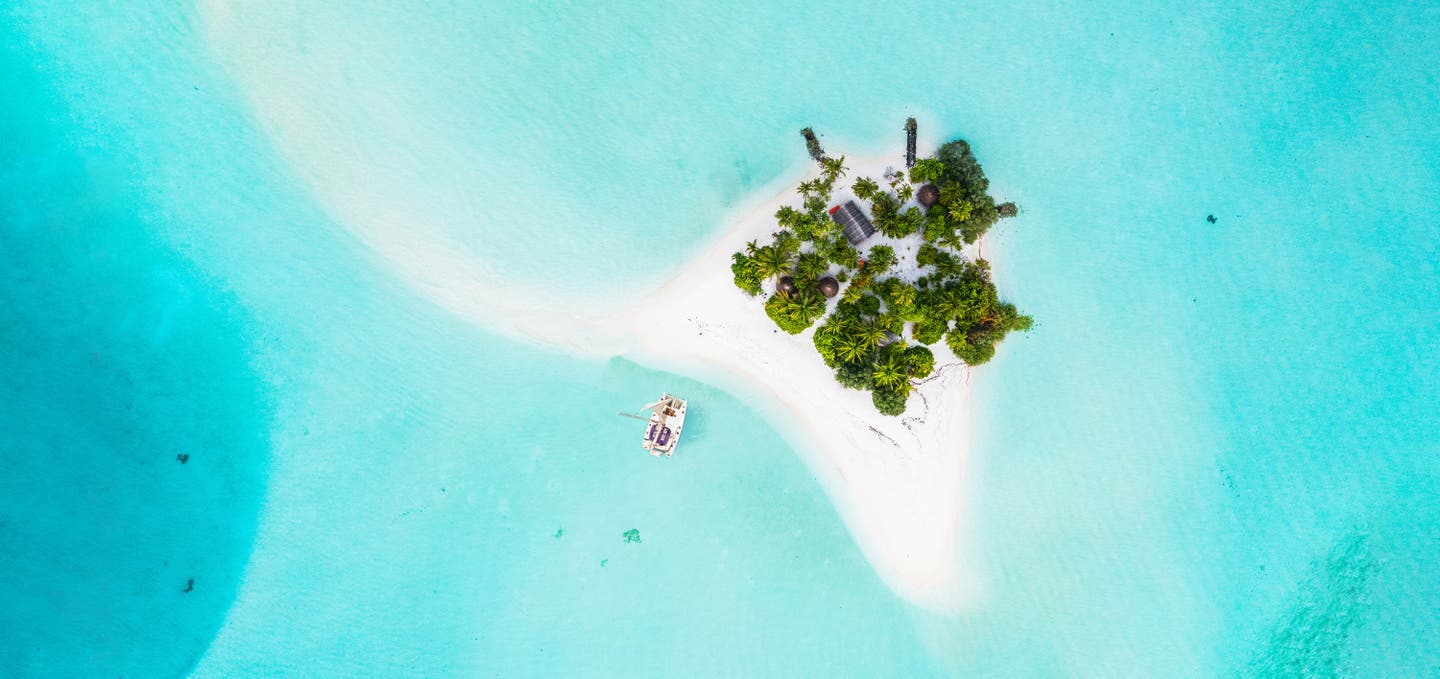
(928, 195)
(828, 286)
(786, 285)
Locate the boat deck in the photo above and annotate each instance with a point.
(667, 420)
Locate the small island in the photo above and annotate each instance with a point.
(912, 286)
(883, 472)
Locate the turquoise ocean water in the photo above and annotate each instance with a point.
(1216, 454)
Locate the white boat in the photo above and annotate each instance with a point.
(667, 418)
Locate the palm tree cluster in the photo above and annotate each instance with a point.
(794, 312)
(865, 339)
(760, 263)
(965, 210)
(812, 224)
(866, 354)
(885, 206)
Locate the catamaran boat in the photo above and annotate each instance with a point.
(667, 417)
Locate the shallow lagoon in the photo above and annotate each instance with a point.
(1214, 453)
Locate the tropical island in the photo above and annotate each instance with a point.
(900, 483)
(911, 287)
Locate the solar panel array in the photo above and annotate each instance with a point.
(852, 220)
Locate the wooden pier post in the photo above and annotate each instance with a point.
(909, 142)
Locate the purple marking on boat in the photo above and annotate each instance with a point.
(651, 436)
(664, 436)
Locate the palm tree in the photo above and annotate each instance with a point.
(771, 261)
(961, 300)
(935, 225)
(946, 303)
(850, 348)
(959, 209)
(926, 170)
(958, 342)
(787, 242)
(902, 295)
(815, 206)
(905, 192)
(889, 321)
(811, 266)
(788, 217)
(805, 307)
(824, 227)
(950, 266)
(871, 334)
(833, 168)
(865, 188)
(891, 374)
(955, 240)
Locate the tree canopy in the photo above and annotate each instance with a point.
(926, 171)
(945, 296)
(794, 313)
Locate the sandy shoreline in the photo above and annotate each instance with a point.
(896, 481)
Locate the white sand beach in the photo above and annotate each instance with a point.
(897, 481)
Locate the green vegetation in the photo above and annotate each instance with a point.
(880, 259)
(966, 210)
(880, 328)
(794, 313)
(927, 171)
(747, 275)
(811, 266)
(888, 402)
(920, 361)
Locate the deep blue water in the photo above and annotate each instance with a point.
(379, 484)
(121, 359)
(1216, 454)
